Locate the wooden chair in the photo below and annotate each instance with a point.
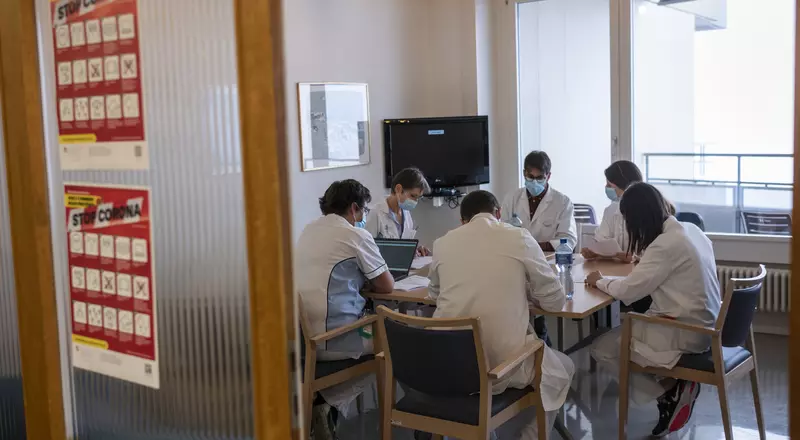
(443, 368)
(732, 353)
(319, 375)
(763, 223)
(584, 213)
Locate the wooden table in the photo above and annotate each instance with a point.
(585, 301)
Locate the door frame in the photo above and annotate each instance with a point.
(259, 35)
(29, 206)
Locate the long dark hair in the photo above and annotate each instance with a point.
(623, 173)
(644, 210)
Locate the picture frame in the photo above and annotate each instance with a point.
(334, 125)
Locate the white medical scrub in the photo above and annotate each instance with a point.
(612, 227)
(484, 269)
(679, 273)
(333, 260)
(383, 223)
(553, 220)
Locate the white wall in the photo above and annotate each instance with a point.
(419, 59)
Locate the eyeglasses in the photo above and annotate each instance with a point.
(365, 210)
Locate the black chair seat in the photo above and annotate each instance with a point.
(456, 409)
(732, 356)
(326, 368)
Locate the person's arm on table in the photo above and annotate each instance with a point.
(544, 289)
(374, 267)
(653, 269)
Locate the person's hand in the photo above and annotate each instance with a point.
(422, 251)
(624, 257)
(593, 278)
(588, 253)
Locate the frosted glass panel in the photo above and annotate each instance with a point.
(564, 74)
(192, 126)
(12, 418)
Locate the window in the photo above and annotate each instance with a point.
(564, 86)
(713, 106)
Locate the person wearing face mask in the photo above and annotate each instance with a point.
(391, 217)
(619, 176)
(545, 212)
(337, 257)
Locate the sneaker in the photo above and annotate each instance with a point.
(323, 423)
(675, 408)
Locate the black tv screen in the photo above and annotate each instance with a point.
(451, 152)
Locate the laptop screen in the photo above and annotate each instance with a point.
(398, 254)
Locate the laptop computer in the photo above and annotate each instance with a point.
(398, 254)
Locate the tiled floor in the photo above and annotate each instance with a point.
(591, 409)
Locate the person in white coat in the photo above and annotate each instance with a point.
(391, 217)
(545, 212)
(677, 269)
(335, 257)
(493, 271)
(619, 176)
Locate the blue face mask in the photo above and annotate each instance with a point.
(611, 193)
(362, 224)
(408, 205)
(535, 187)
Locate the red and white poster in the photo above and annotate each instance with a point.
(99, 84)
(112, 281)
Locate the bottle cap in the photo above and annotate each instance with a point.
(563, 241)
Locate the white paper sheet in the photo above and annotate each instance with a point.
(413, 282)
(604, 248)
(421, 262)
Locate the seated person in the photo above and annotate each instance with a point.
(483, 269)
(335, 257)
(391, 217)
(619, 176)
(677, 269)
(546, 213)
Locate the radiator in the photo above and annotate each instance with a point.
(775, 295)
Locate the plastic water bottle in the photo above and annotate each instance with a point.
(564, 264)
(515, 221)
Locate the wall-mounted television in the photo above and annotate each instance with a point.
(451, 152)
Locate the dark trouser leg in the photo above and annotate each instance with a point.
(642, 305)
(540, 327)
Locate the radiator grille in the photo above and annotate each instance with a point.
(776, 294)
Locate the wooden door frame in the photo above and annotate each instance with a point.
(259, 43)
(28, 201)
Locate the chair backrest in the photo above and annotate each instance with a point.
(693, 218)
(763, 223)
(739, 308)
(434, 356)
(585, 214)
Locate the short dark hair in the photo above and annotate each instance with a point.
(538, 160)
(478, 202)
(411, 178)
(645, 210)
(623, 173)
(341, 194)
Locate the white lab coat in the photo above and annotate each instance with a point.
(383, 223)
(679, 272)
(481, 269)
(554, 218)
(612, 227)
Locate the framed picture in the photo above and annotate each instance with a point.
(334, 125)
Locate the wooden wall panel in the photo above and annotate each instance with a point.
(30, 225)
